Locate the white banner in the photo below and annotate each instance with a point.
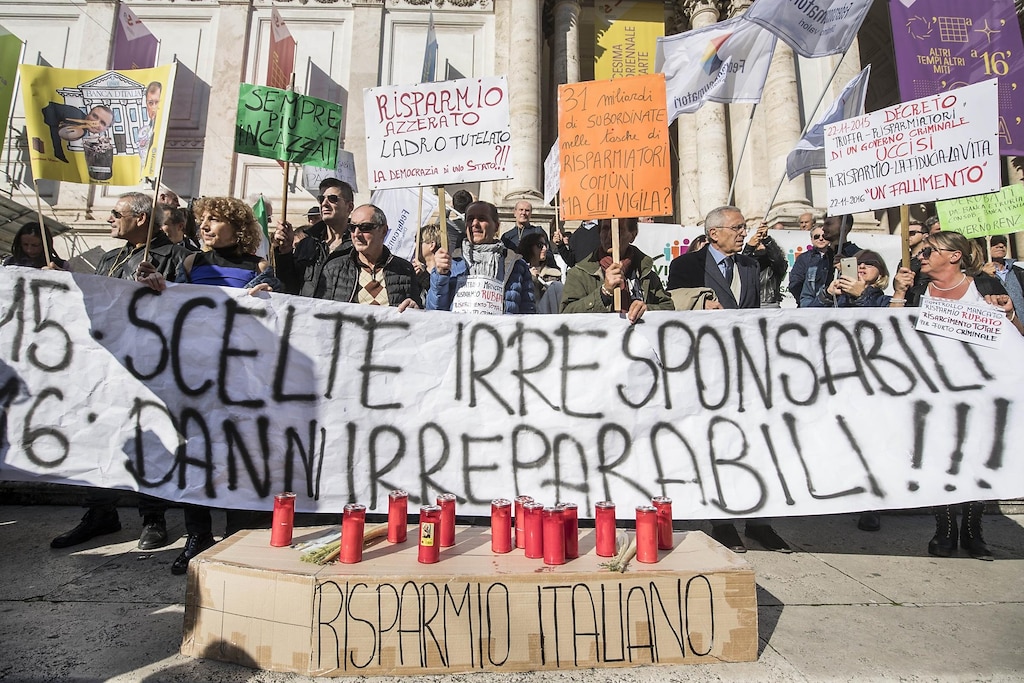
(725, 62)
(937, 147)
(438, 133)
(207, 395)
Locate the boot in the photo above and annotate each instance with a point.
(970, 532)
(943, 544)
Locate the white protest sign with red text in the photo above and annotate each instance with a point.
(938, 147)
(438, 133)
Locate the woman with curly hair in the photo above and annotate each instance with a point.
(229, 235)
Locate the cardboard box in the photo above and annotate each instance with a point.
(474, 610)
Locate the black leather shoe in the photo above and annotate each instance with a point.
(766, 536)
(194, 545)
(975, 547)
(940, 546)
(869, 521)
(154, 533)
(726, 535)
(96, 522)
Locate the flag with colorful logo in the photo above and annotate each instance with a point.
(135, 46)
(945, 44)
(813, 29)
(809, 152)
(10, 55)
(726, 62)
(96, 127)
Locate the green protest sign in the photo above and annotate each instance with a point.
(283, 125)
(998, 213)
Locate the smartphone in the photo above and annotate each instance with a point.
(848, 268)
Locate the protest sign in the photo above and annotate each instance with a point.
(972, 323)
(613, 143)
(345, 170)
(551, 173)
(438, 133)
(943, 44)
(284, 125)
(937, 147)
(999, 213)
(209, 396)
(98, 127)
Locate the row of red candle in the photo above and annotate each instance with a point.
(548, 533)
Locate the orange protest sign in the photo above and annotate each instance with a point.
(613, 147)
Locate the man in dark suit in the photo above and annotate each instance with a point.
(734, 278)
(720, 266)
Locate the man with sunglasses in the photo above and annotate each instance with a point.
(129, 221)
(300, 266)
(811, 257)
(820, 268)
(369, 273)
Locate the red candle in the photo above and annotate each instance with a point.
(520, 535)
(572, 530)
(430, 549)
(446, 532)
(353, 519)
(664, 507)
(398, 516)
(604, 528)
(554, 535)
(646, 534)
(533, 530)
(284, 520)
(501, 525)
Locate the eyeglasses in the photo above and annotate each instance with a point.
(820, 236)
(363, 227)
(118, 215)
(735, 228)
(915, 232)
(332, 198)
(926, 253)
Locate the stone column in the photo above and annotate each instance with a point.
(367, 19)
(712, 150)
(524, 102)
(566, 41)
(780, 103)
(232, 41)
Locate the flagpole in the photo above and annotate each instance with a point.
(905, 233)
(807, 126)
(617, 292)
(152, 213)
(419, 228)
(743, 148)
(43, 234)
(442, 215)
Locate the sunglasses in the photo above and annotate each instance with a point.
(926, 253)
(915, 232)
(363, 227)
(332, 198)
(818, 237)
(118, 215)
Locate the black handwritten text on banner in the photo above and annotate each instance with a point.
(207, 395)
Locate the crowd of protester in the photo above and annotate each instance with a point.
(340, 254)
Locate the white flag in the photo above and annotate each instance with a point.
(814, 28)
(552, 170)
(809, 152)
(400, 206)
(725, 62)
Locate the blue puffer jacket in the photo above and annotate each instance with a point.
(518, 286)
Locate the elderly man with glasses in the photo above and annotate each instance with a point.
(369, 273)
(721, 265)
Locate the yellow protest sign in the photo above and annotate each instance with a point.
(627, 34)
(999, 213)
(614, 148)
